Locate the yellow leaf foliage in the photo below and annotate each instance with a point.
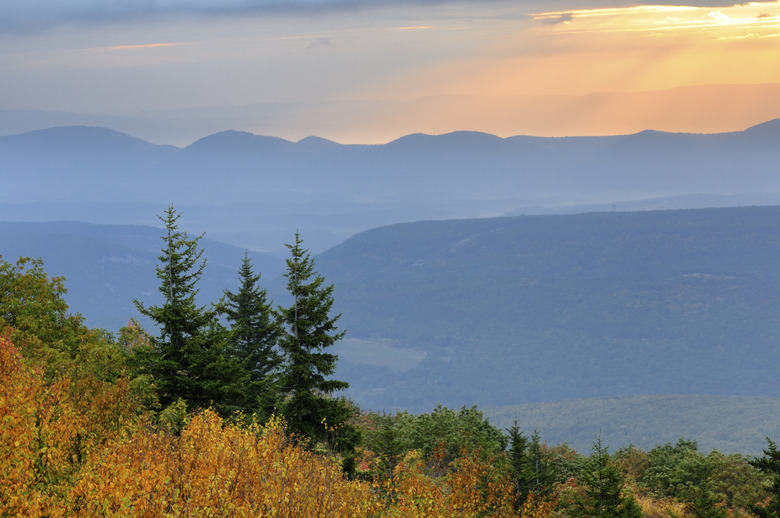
(216, 469)
(473, 488)
(38, 432)
(537, 506)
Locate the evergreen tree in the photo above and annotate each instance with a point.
(542, 473)
(520, 465)
(769, 464)
(386, 441)
(187, 359)
(254, 331)
(309, 330)
(605, 495)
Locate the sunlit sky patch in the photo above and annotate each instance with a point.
(740, 20)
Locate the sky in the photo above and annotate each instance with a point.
(364, 71)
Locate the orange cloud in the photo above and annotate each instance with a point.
(415, 28)
(657, 47)
(145, 46)
(753, 16)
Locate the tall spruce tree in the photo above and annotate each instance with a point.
(187, 359)
(605, 491)
(541, 475)
(254, 331)
(520, 465)
(309, 330)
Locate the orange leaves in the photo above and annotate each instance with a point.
(17, 416)
(37, 437)
(653, 508)
(477, 488)
(473, 488)
(537, 506)
(219, 469)
(71, 449)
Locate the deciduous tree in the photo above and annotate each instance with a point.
(33, 309)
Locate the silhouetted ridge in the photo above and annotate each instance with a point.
(317, 142)
(455, 140)
(99, 139)
(238, 142)
(769, 129)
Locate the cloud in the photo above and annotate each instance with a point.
(144, 46)
(717, 15)
(36, 15)
(320, 43)
(563, 18)
(704, 3)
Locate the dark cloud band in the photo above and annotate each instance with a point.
(36, 15)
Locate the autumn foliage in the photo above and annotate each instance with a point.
(38, 427)
(52, 464)
(215, 469)
(473, 487)
(60, 459)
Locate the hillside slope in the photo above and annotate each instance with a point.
(729, 424)
(541, 308)
(106, 267)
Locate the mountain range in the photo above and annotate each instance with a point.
(255, 191)
(691, 109)
(106, 267)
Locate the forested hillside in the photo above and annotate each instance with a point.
(107, 266)
(518, 310)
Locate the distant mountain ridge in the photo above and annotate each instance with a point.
(254, 191)
(539, 166)
(692, 109)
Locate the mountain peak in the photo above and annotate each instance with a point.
(100, 139)
(314, 141)
(237, 141)
(765, 129)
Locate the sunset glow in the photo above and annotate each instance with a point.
(744, 20)
(506, 67)
(657, 47)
